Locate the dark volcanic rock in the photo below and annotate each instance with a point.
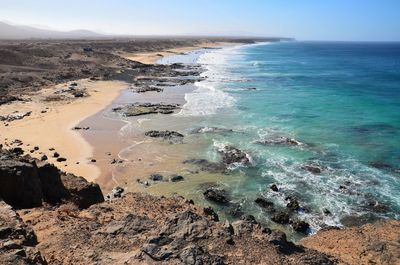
(156, 177)
(293, 203)
(280, 218)
(83, 193)
(52, 186)
(25, 184)
(313, 169)
(163, 134)
(147, 108)
(265, 204)
(231, 155)
(216, 195)
(176, 178)
(17, 241)
(273, 187)
(300, 226)
(19, 183)
(61, 159)
(210, 212)
(173, 137)
(280, 141)
(116, 193)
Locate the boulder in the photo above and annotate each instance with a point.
(231, 155)
(116, 193)
(280, 218)
(20, 185)
(293, 203)
(273, 187)
(313, 169)
(163, 134)
(216, 195)
(264, 203)
(156, 177)
(83, 193)
(176, 178)
(53, 189)
(300, 226)
(280, 141)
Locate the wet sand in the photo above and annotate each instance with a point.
(135, 156)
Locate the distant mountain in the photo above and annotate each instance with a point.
(16, 32)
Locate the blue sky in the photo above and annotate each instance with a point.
(368, 20)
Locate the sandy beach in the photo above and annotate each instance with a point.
(153, 57)
(50, 125)
(57, 118)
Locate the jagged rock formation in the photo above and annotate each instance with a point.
(26, 183)
(145, 229)
(17, 241)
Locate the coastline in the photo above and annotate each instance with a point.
(50, 125)
(107, 152)
(153, 57)
(61, 116)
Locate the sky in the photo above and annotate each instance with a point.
(346, 20)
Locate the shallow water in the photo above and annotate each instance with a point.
(341, 101)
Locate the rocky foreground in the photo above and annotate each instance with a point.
(51, 217)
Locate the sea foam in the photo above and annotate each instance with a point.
(209, 95)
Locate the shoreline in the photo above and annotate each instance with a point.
(60, 116)
(153, 57)
(59, 119)
(107, 152)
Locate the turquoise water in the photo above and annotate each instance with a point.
(341, 101)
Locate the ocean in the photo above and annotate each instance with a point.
(340, 100)
(320, 120)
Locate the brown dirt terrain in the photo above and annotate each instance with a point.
(377, 243)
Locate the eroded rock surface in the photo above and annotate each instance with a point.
(145, 229)
(138, 109)
(377, 243)
(25, 183)
(17, 240)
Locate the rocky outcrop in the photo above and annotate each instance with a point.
(26, 183)
(279, 141)
(231, 155)
(82, 192)
(17, 241)
(377, 243)
(171, 136)
(138, 109)
(15, 116)
(20, 185)
(216, 195)
(163, 134)
(145, 229)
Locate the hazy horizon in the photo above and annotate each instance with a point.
(329, 20)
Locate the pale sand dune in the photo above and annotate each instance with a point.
(153, 57)
(54, 128)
